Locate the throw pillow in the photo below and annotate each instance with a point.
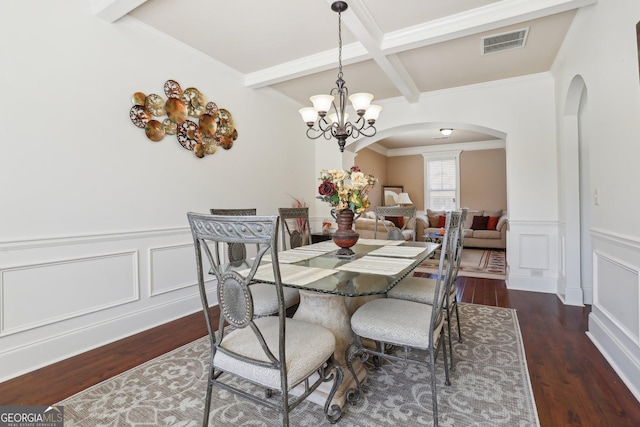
(479, 223)
(398, 221)
(493, 221)
(434, 217)
(442, 221)
(469, 220)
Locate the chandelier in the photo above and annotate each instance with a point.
(336, 125)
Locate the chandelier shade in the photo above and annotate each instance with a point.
(337, 124)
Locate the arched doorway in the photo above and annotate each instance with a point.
(576, 198)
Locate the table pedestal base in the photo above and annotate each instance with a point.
(331, 312)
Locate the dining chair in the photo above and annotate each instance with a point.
(295, 227)
(252, 348)
(265, 301)
(421, 289)
(405, 217)
(407, 325)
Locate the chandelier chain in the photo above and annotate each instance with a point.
(340, 45)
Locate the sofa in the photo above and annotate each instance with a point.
(484, 234)
(365, 226)
(482, 229)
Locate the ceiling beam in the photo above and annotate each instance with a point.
(112, 10)
(382, 47)
(474, 21)
(364, 27)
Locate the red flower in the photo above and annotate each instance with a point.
(355, 169)
(326, 189)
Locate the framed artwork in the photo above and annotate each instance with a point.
(638, 41)
(390, 194)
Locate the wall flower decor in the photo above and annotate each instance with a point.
(199, 126)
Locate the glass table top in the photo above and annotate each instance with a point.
(374, 269)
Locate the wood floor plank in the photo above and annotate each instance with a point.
(572, 383)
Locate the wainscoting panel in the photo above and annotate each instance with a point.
(533, 256)
(66, 295)
(39, 294)
(171, 268)
(534, 251)
(614, 322)
(617, 289)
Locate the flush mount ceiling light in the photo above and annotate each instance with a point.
(446, 131)
(337, 125)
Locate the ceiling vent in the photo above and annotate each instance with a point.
(504, 41)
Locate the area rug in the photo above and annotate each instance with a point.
(490, 387)
(484, 263)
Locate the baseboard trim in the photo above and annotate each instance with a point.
(619, 357)
(532, 284)
(36, 355)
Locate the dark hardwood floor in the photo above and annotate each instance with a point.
(572, 383)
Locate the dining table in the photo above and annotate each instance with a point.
(333, 287)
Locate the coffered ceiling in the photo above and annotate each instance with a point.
(390, 48)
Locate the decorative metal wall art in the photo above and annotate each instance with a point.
(200, 127)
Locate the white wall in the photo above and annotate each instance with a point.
(601, 51)
(94, 243)
(522, 111)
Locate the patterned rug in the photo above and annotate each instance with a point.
(487, 263)
(490, 388)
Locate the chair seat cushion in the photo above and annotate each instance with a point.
(418, 289)
(265, 301)
(395, 321)
(308, 346)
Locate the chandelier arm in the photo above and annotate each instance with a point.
(355, 130)
(310, 134)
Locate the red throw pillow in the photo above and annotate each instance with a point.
(398, 221)
(479, 223)
(493, 222)
(442, 221)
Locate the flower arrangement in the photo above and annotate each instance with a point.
(344, 189)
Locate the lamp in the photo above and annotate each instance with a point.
(403, 199)
(446, 131)
(337, 125)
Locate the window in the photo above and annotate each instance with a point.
(442, 187)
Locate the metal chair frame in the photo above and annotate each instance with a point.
(235, 251)
(451, 303)
(236, 310)
(436, 324)
(300, 235)
(395, 233)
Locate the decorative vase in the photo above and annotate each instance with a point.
(344, 236)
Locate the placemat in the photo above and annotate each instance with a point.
(380, 242)
(291, 274)
(324, 247)
(398, 251)
(377, 265)
(293, 255)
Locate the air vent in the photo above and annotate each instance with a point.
(504, 41)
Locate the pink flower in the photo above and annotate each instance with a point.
(355, 169)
